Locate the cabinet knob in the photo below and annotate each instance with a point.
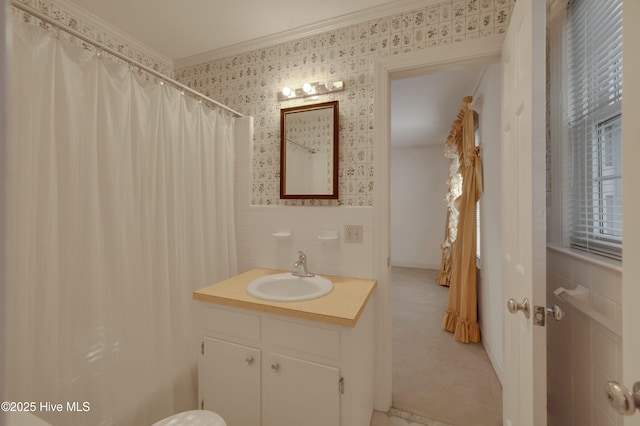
(249, 360)
(275, 367)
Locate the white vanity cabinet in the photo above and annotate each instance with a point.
(264, 369)
(230, 381)
(230, 366)
(299, 392)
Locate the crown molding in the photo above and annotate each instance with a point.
(376, 12)
(112, 31)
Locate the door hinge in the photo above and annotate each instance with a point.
(202, 348)
(341, 385)
(202, 404)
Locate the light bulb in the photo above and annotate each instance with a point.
(307, 88)
(286, 91)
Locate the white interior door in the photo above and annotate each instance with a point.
(631, 200)
(524, 207)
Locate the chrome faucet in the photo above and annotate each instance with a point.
(301, 266)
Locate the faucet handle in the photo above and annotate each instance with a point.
(301, 264)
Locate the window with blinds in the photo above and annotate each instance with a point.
(594, 85)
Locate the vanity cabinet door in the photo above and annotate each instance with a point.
(298, 392)
(231, 381)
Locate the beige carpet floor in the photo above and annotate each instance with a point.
(433, 375)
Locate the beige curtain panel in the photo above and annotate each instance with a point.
(461, 315)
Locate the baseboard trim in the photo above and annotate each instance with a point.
(497, 367)
(415, 265)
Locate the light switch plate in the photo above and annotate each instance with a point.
(353, 233)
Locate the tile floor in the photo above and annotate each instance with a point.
(400, 418)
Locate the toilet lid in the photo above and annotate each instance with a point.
(193, 418)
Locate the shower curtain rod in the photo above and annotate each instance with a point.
(312, 151)
(119, 55)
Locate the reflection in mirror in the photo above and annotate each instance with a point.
(309, 151)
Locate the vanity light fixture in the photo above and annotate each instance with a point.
(310, 89)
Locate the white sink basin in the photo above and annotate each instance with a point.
(287, 287)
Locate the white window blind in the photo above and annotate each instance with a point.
(594, 84)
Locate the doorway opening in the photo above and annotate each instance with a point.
(386, 69)
(432, 373)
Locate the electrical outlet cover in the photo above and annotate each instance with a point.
(353, 233)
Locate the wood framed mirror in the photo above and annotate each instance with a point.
(309, 151)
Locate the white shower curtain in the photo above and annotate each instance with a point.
(120, 205)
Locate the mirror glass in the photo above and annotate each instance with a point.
(309, 151)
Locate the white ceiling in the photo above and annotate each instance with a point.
(182, 28)
(423, 108)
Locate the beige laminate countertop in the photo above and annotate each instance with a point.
(342, 306)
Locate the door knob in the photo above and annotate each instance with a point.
(275, 367)
(540, 314)
(249, 360)
(556, 312)
(514, 306)
(619, 397)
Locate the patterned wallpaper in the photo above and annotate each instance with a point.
(93, 30)
(248, 83)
